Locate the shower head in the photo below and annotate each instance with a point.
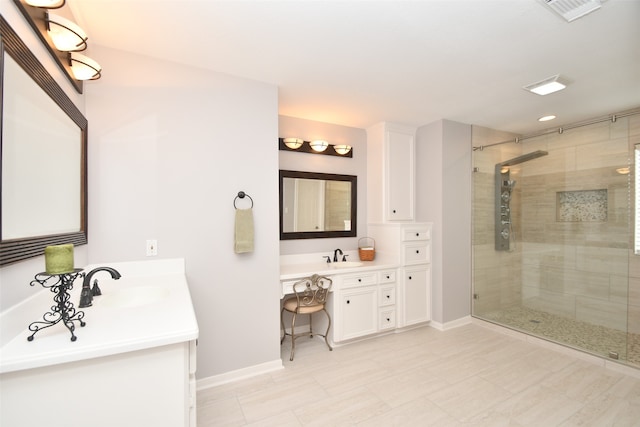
(523, 158)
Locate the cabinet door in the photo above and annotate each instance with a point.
(400, 176)
(416, 295)
(357, 314)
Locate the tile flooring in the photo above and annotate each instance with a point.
(468, 376)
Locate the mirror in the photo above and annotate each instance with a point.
(317, 205)
(43, 141)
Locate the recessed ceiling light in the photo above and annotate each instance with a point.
(547, 86)
(546, 118)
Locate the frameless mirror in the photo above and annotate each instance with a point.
(317, 205)
(43, 142)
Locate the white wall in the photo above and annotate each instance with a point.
(15, 278)
(443, 188)
(170, 147)
(309, 130)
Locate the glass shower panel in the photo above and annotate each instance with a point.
(561, 270)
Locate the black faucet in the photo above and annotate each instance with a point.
(335, 255)
(87, 294)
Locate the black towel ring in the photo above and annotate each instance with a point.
(242, 194)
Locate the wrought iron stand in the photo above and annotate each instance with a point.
(63, 310)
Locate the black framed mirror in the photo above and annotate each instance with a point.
(43, 160)
(317, 205)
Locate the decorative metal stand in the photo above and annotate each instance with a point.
(63, 311)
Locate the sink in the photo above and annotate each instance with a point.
(133, 297)
(346, 264)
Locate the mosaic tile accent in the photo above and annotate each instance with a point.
(582, 206)
(573, 333)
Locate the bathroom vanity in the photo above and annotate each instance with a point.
(133, 364)
(371, 297)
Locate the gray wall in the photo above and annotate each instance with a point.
(169, 149)
(443, 188)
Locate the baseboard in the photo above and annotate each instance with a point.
(239, 374)
(450, 325)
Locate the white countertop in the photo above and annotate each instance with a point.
(149, 306)
(296, 271)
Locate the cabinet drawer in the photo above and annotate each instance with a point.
(387, 276)
(387, 319)
(387, 295)
(416, 254)
(354, 281)
(412, 234)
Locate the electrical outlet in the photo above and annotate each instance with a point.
(152, 247)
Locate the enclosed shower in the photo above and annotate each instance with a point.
(554, 254)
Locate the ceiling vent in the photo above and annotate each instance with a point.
(571, 10)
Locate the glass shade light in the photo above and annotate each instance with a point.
(46, 4)
(546, 118)
(84, 68)
(547, 86)
(293, 143)
(342, 149)
(66, 35)
(319, 145)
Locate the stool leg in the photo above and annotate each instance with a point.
(293, 336)
(310, 325)
(284, 331)
(326, 334)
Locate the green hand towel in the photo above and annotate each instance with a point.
(244, 231)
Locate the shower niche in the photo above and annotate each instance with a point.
(504, 236)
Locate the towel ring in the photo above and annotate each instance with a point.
(242, 194)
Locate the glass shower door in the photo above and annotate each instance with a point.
(553, 236)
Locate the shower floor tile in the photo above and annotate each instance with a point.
(582, 335)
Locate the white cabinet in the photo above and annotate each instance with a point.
(364, 304)
(356, 306)
(357, 313)
(390, 172)
(409, 245)
(416, 298)
(148, 387)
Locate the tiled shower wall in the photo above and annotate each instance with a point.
(576, 266)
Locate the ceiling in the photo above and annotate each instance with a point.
(356, 63)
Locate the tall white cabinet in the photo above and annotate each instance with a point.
(391, 168)
(391, 172)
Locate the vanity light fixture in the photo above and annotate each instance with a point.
(63, 38)
(315, 147)
(83, 67)
(66, 35)
(293, 143)
(319, 145)
(46, 4)
(342, 149)
(547, 86)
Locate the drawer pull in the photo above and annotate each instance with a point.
(348, 301)
(388, 320)
(359, 280)
(388, 277)
(388, 296)
(417, 234)
(409, 277)
(417, 251)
